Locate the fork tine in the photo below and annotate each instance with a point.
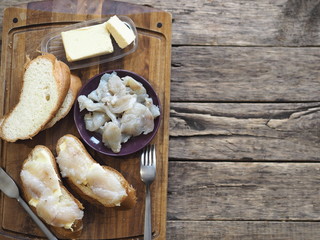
(146, 157)
(143, 156)
(149, 155)
(153, 157)
(146, 161)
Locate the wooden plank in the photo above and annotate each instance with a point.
(250, 74)
(249, 230)
(228, 191)
(245, 131)
(241, 23)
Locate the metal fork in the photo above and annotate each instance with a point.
(148, 174)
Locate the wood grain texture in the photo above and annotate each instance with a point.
(245, 74)
(248, 230)
(23, 30)
(239, 23)
(244, 23)
(243, 191)
(245, 131)
(244, 120)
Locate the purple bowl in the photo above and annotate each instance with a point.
(93, 139)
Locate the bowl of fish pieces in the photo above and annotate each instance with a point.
(117, 112)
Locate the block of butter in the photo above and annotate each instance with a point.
(120, 32)
(87, 42)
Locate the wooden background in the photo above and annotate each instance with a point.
(244, 150)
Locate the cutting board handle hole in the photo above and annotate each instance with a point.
(15, 20)
(159, 24)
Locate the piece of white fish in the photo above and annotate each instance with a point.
(102, 89)
(137, 120)
(120, 104)
(115, 85)
(153, 108)
(111, 136)
(95, 120)
(135, 87)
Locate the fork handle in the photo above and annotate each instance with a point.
(147, 215)
(35, 218)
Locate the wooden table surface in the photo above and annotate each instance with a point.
(244, 149)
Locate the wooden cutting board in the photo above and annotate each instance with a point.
(23, 28)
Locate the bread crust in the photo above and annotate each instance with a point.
(58, 231)
(61, 74)
(84, 192)
(75, 85)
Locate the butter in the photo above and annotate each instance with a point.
(34, 202)
(42, 156)
(120, 32)
(68, 226)
(87, 42)
(63, 146)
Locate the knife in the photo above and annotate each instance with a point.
(9, 188)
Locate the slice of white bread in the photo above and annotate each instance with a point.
(93, 182)
(45, 85)
(44, 192)
(75, 85)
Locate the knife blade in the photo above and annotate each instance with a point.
(10, 189)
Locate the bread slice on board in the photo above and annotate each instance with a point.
(75, 85)
(95, 183)
(46, 82)
(50, 200)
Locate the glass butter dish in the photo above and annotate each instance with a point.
(52, 43)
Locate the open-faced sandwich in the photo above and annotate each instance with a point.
(95, 183)
(44, 192)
